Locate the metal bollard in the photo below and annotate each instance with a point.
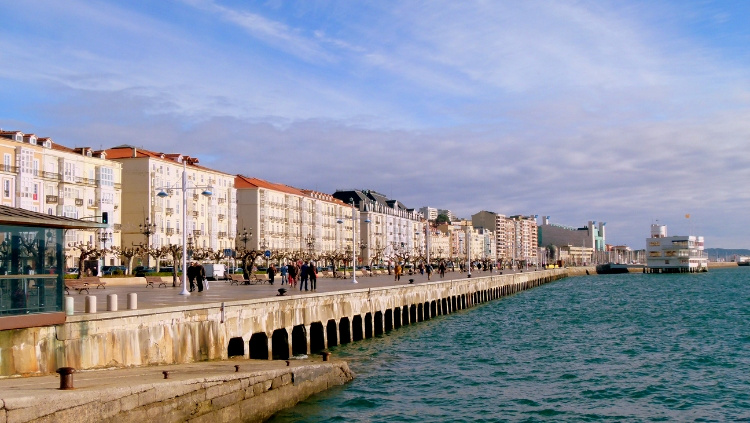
(90, 304)
(133, 301)
(112, 302)
(66, 377)
(326, 355)
(166, 374)
(236, 368)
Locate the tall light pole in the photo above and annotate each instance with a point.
(354, 243)
(147, 229)
(206, 192)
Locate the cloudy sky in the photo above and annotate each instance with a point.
(623, 112)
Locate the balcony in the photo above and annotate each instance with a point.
(222, 200)
(8, 168)
(169, 231)
(169, 211)
(51, 199)
(196, 232)
(196, 197)
(195, 214)
(79, 201)
(221, 217)
(222, 234)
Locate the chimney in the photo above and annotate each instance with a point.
(135, 152)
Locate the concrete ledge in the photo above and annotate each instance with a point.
(242, 396)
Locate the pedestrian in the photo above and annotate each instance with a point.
(313, 276)
(191, 275)
(428, 269)
(200, 276)
(271, 273)
(284, 270)
(397, 272)
(303, 274)
(441, 269)
(421, 269)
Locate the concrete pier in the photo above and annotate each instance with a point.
(260, 328)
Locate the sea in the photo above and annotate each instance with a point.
(604, 348)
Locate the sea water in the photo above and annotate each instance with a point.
(621, 348)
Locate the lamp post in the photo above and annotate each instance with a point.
(310, 241)
(146, 228)
(206, 192)
(245, 236)
(354, 243)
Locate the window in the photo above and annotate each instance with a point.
(6, 188)
(69, 172)
(7, 162)
(106, 177)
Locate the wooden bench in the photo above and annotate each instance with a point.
(151, 280)
(237, 278)
(83, 284)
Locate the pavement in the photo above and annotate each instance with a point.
(221, 291)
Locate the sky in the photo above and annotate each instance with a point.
(625, 112)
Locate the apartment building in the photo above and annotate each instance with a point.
(515, 237)
(40, 175)
(591, 235)
(279, 217)
(150, 219)
(682, 253)
(387, 226)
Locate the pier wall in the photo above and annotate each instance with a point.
(267, 328)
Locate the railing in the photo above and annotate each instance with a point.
(221, 217)
(85, 181)
(8, 168)
(196, 197)
(196, 232)
(222, 200)
(169, 211)
(169, 231)
(79, 201)
(52, 199)
(222, 234)
(195, 214)
(117, 226)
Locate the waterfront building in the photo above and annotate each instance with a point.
(592, 235)
(674, 253)
(285, 219)
(388, 227)
(515, 237)
(153, 221)
(79, 183)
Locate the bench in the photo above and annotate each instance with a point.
(83, 284)
(237, 278)
(259, 278)
(151, 280)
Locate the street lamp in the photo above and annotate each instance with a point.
(206, 192)
(245, 236)
(147, 229)
(310, 241)
(354, 243)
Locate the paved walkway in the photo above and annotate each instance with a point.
(220, 291)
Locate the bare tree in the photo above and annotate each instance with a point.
(85, 252)
(175, 252)
(127, 253)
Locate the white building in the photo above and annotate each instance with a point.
(674, 253)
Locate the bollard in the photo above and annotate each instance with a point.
(133, 301)
(166, 374)
(69, 306)
(66, 377)
(326, 355)
(236, 368)
(90, 303)
(112, 302)
(411, 280)
(287, 363)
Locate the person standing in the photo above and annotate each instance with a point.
(271, 273)
(397, 272)
(303, 275)
(313, 276)
(441, 269)
(292, 275)
(200, 276)
(428, 269)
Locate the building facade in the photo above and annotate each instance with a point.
(80, 183)
(674, 253)
(152, 201)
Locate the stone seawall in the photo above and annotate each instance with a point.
(230, 397)
(266, 328)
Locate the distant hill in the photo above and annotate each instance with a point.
(726, 254)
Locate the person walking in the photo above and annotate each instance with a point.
(284, 270)
(313, 276)
(428, 269)
(397, 272)
(292, 275)
(191, 275)
(303, 275)
(200, 276)
(441, 269)
(271, 273)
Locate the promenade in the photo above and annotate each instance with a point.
(222, 291)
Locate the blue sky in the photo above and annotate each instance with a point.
(624, 112)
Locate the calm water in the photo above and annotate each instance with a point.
(622, 348)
